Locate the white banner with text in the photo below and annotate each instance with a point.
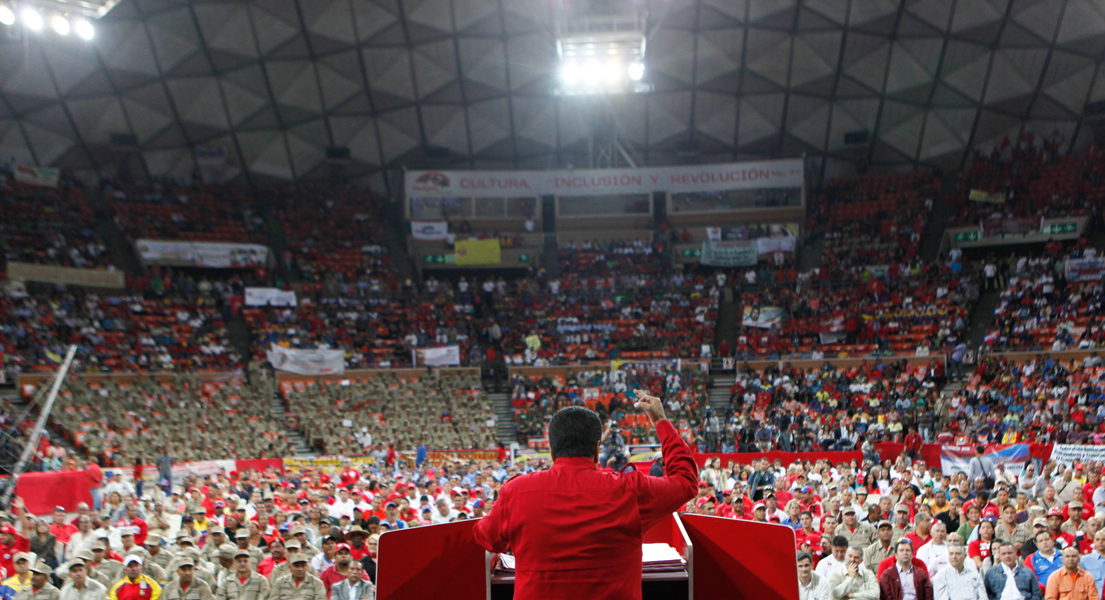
(589, 182)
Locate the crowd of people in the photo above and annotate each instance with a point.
(49, 226)
(1026, 181)
(160, 209)
(1041, 307)
(872, 219)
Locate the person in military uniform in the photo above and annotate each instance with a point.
(255, 553)
(80, 587)
(216, 537)
(40, 588)
(299, 585)
(88, 559)
(185, 586)
(246, 584)
(224, 564)
(299, 532)
(158, 555)
(111, 568)
(293, 548)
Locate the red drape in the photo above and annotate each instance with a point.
(930, 453)
(41, 492)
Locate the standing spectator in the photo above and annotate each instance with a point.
(1071, 582)
(956, 581)
(981, 467)
(903, 581)
(959, 354)
(165, 468)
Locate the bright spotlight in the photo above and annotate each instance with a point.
(636, 71)
(592, 73)
(32, 19)
(85, 30)
(7, 17)
(570, 73)
(613, 72)
(60, 25)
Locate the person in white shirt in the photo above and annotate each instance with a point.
(956, 581)
(853, 581)
(444, 512)
(811, 586)
(836, 559)
(934, 553)
(343, 506)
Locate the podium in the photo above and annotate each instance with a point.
(741, 559)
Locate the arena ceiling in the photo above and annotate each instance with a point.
(276, 82)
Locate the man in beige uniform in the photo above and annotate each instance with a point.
(246, 584)
(216, 537)
(283, 569)
(880, 548)
(80, 587)
(858, 533)
(158, 555)
(112, 569)
(299, 532)
(255, 553)
(89, 561)
(185, 586)
(40, 588)
(299, 585)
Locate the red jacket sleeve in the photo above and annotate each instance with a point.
(658, 497)
(491, 530)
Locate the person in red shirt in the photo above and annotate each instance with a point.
(1063, 539)
(562, 550)
(343, 558)
(276, 558)
(11, 543)
(60, 529)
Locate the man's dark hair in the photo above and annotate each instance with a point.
(840, 542)
(801, 556)
(574, 431)
(980, 449)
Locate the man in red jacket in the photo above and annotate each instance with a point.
(575, 531)
(902, 574)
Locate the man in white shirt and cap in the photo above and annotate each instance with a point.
(935, 552)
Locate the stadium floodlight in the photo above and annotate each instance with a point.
(570, 73)
(60, 25)
(601, 62)
(85, 29)
(32, 18)
(636, 71)
(7, 17)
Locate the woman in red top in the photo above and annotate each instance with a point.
(981, 549)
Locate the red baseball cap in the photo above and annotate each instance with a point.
(1054, 511)
(8, 529)
(991, 512)
(341, 547)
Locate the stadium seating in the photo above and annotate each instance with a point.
(448, 411)
(162, 210)
(49, 226)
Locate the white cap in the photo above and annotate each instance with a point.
(132, 558)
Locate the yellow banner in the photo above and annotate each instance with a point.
(977, 195)
(478, 252)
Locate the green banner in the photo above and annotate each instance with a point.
(440, 259)
(523, 258)
(1060, 228)
(967, 236)
(691, 252)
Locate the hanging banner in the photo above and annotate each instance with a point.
(307, 362)
(1002, 227)
(763, 317)
(1084, 269)
(590, 182)
(101, 278)
(40, 176)
(728, 254)
(770, 245)
(1066, 454)
(957, 459)
(988, 197)
(478, 252)
(445, 356)
(202, 254)
(269, 297)
(430, 230)
(751, 232)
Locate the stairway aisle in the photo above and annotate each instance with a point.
(298, 442)
(504, 415)
(982, 319)
(719, 392)
(938, 222)
(550, 255)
